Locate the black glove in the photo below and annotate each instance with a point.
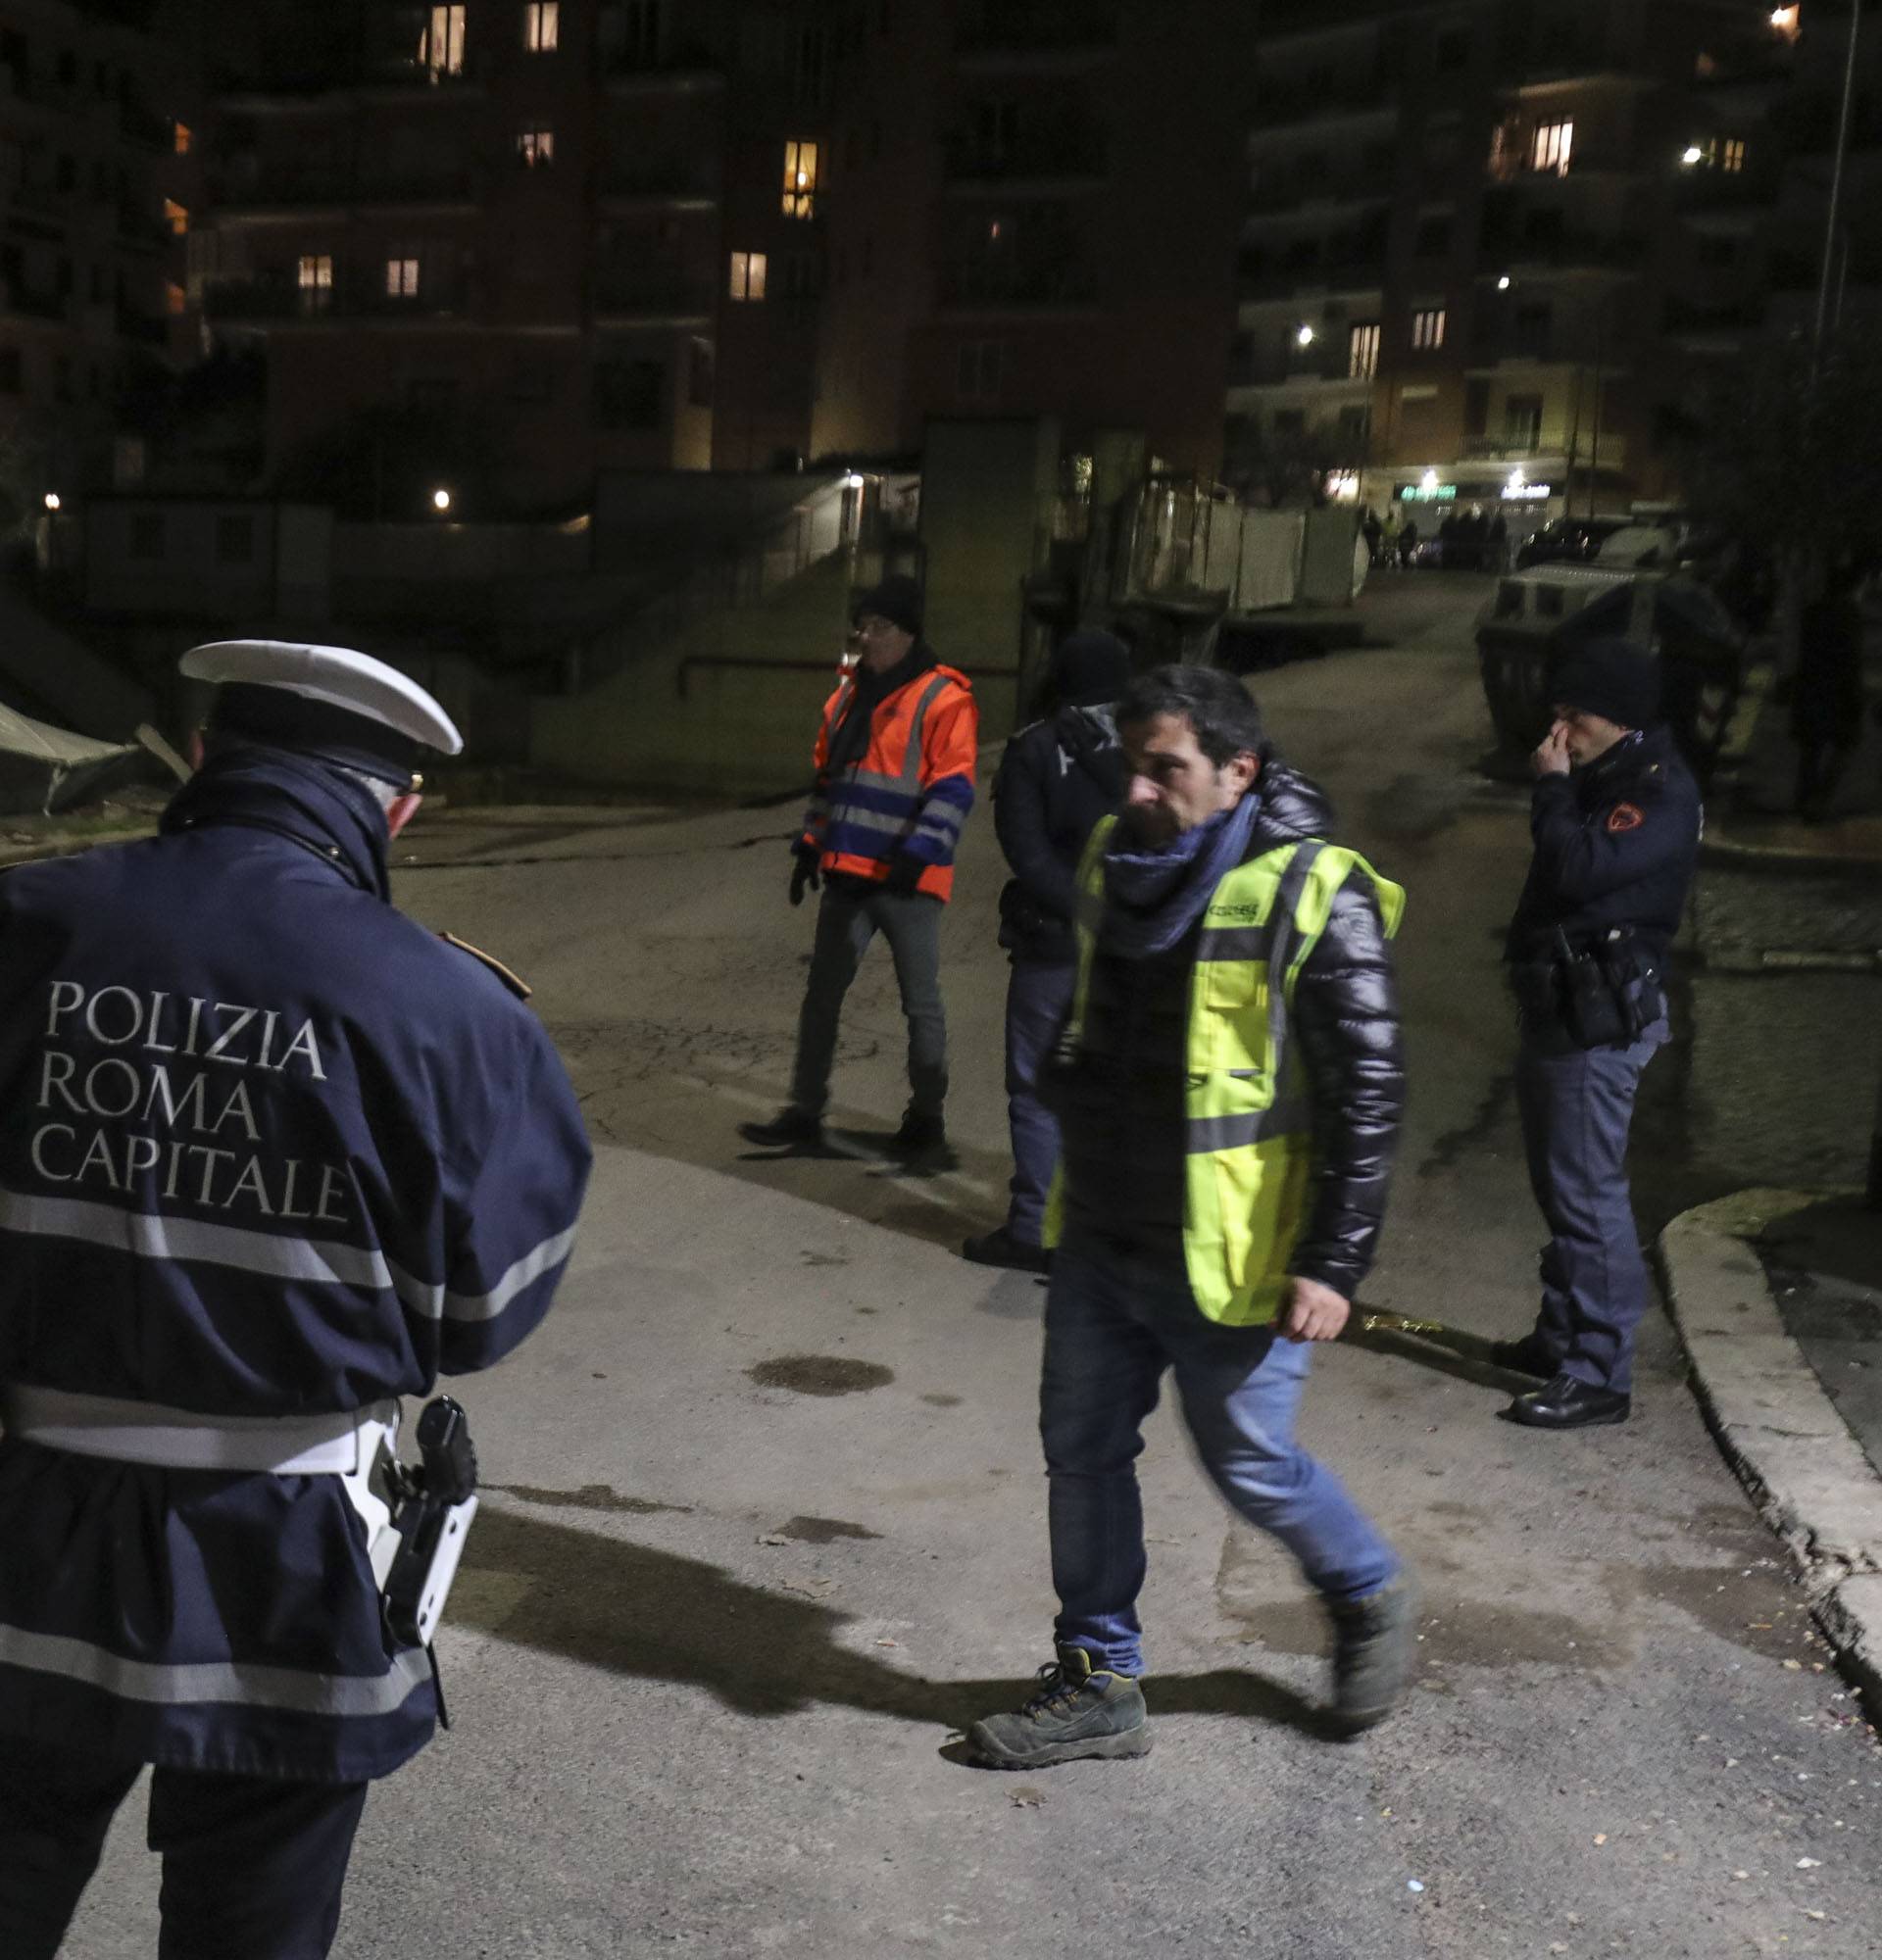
(804, 872)
(905, 875)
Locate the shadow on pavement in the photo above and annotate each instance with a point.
(609, 1604)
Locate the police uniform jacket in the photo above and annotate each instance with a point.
(267, 1148)
(1616, 845)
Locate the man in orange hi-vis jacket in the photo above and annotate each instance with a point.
(893, 783)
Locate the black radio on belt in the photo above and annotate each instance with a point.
(432, 1522)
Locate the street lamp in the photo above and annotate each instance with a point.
(441, 501)
(1304, 335)
(1692, 154)
(52, 500)
(1502, 283)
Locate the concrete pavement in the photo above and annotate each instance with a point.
(768, 1521)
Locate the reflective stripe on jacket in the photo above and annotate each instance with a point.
(910, 790)
(1248, 1109)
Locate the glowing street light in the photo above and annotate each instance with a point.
(52, 500)
(440, 501)
(1691, 155)
(1502, 283)
(1304, 335)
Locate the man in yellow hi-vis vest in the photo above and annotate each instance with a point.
(1229, 1088)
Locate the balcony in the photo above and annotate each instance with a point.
(1337, 96)
(681, 65)
(20, 301)
(1279, 193)
(148, 328)
(966, 287)
(1562, 251)
(1556, 53)
(683, 183)
(632, 293)
(274, 299)
(1066, 150)
(140, 231)
(1004, 29)
(1684, 318)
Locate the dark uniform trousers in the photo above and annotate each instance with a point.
(1576, 1106)
(253, 1866)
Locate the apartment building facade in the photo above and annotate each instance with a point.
(99, 128)
(1035, 216)
(582, 235)
(1486, 243)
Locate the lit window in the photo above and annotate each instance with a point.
(1363, 350)
(799, 180)
(541, 27)
(174, 298)
(748, 275)
(1551, 146)
(1428, 328)
(314, 276)
(441, 43)
(176, 217)
(535, 148)
(183, 139)
(1731, 154)
(401, 278)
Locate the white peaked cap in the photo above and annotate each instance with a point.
(335, 675)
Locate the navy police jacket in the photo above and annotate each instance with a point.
(266, 1147)
(1616, 845)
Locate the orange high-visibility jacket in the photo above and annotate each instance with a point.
(909, 790)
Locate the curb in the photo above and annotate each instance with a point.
(71, 847)
(1718, 849)
(1779, 1431)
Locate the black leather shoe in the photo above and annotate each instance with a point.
(999, 1248)
(1531, 1355)
(1567, 1403)
(921, 1143)
(790, 1128)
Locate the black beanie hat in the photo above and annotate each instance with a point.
(1088, 669)
(1612, 678)
(897, 599)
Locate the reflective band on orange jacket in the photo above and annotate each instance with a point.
(908, 793)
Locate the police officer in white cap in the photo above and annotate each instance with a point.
(271, 1156)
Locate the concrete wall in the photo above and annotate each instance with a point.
(987, 488)
(728, 706)
(194, 558)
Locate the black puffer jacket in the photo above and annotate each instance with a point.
(1122, 1098)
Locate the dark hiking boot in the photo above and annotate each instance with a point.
(1531, 1355)
(1372, 1647)
(1075, 1711)
(790, 1127)
(921, 1144)
(999, 1248)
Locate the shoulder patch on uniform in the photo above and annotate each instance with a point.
(516, 983)
(1626, 816)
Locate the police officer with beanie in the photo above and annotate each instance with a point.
(271, 1156)
(894, 761)
(1057, 779)
(1615, 817)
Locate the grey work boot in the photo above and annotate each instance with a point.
(1076, 1711)
(1373, 1641)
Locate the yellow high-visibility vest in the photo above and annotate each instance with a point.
(1250, 1125)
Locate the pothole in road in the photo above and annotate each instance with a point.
(821, 1375)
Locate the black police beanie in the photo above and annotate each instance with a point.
(1088, 669)
(1612, 678)
(897, 599)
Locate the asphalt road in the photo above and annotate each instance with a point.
(768, 1521)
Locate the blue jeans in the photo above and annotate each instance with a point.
(1038, 1000)
(1112, 1326)
(1576, 1106)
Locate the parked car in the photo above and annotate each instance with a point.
(1568, 541)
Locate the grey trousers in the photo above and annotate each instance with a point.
(849, 918)
(1576, 1106)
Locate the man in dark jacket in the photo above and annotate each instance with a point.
(271, 1157)
(1230, 1086)
(1615, 817)
(1057, 779)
